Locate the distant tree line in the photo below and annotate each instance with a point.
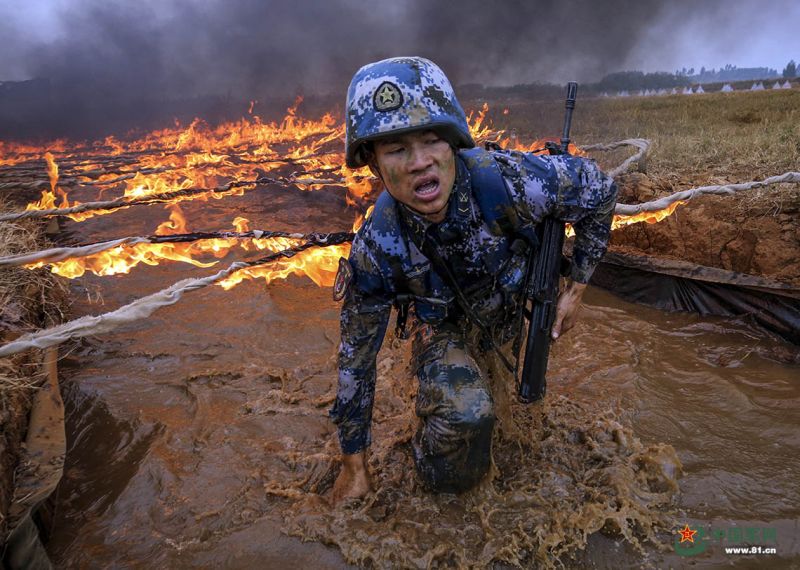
(727, 73)
(635, 80)
(638, 80)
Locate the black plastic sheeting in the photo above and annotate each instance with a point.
(674, 285)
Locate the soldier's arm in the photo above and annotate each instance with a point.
(573, 190)
(364, 317)
(586, 199)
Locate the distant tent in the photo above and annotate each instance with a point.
(700, 89)
(605, 94)
(786, 85)
(726, 88)
(674, 91)
(687, 91)
(777, 85)
(622, 93)
(757, 87)
(662, 91)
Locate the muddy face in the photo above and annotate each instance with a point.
(419, 171)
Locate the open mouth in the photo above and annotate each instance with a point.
(427, 189)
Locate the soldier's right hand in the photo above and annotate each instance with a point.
(353, 481)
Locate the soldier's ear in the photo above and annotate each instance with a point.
(367, 152)
(373, 167)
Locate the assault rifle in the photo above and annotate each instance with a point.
(544, 267)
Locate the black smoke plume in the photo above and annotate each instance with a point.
(114, 65)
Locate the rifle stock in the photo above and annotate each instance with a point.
(543, 277)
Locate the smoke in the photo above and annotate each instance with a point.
(251, 47)
(102, 55)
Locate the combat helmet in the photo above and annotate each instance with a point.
(398, 95)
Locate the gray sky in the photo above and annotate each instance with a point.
(744, 33)
(179, 47)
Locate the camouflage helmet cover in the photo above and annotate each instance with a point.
(398, 95)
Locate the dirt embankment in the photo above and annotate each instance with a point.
(754, 232)
(28, 300)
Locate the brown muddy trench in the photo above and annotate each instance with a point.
(200, 438)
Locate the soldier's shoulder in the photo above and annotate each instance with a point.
(381, 233)
(382, 223)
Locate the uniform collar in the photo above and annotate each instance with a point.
(458, 211)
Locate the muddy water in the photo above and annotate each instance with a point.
(199, 438)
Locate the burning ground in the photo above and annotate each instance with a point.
(214, 410)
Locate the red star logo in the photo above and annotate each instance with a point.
(687, 534)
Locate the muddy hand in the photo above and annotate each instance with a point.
(353, 481)
(569, 301)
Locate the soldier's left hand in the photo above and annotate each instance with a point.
(569, 301)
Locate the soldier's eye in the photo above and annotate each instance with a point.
(395, 150)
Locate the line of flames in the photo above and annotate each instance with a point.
(201, 156)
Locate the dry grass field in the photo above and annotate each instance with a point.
(736, 136)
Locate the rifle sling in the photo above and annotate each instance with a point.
(430, 249)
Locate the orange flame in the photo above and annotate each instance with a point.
(320, 265)
(361, 219)
(48, 199)
(203, 156)
(646, 217)
(176, 223)
(477, 129)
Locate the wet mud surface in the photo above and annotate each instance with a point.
(200, 437)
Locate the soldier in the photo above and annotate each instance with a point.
(442, 233)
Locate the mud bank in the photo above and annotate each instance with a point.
(31, 448)
(755, 232)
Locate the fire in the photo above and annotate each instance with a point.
(176, 223)
(48, 199)
(361, 219)
(199, 155)
(124, 258)
(477, 129)
(320, 265)
(52, 170)
(647, 217)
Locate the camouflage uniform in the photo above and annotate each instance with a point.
(454, 404)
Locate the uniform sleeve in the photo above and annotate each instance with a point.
(365, 315)
(586, 199)
(571, 188)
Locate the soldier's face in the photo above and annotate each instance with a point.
(419, 170)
